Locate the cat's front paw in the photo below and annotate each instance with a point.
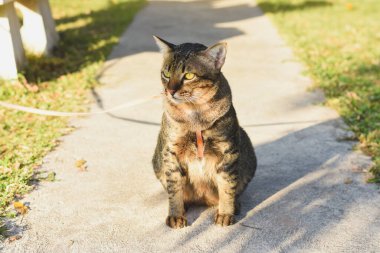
(224, 219)
(176, 222)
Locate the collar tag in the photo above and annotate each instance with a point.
(200, 145)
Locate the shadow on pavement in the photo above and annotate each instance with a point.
(295, 195)
(183, 19)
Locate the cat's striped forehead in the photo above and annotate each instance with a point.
(181, 55)
(186, 49)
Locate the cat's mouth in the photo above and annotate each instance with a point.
(175, 97)
(183, 97)
(176, 100)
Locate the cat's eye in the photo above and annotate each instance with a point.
(166, 74)
(189, 76)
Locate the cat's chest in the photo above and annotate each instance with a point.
(195, 118)
(200, 169)
(188, 155)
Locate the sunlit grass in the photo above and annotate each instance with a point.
(88, 30)
(339, 42)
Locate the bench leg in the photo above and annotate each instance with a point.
(38, 30)
(12, 56)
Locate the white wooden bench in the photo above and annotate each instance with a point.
(12, 55)
(37, 35)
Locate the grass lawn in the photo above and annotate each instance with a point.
(88, 30)
(339, 42)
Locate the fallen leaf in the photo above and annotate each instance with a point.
(80, 162)
(81, 165)
(16, 166)
(30, 87)
(20, 207)
(50, 177)
(352, 95)
(14, 238)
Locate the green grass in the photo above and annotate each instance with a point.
(88, 30)
(339, 42)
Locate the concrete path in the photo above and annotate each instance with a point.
(309, 193)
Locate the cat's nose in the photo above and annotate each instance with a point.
(172, 92)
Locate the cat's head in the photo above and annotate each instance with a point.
(190, 71)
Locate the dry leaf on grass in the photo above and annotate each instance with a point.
(20, 207)
(352, 95)
(50, 177)
(349, 6)
(45, 176)
(32, 88)
(81, 165)
(28, 86)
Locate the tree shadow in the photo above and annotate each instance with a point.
(297, 193)
(373, 69)
(193, 21)
(13, 228)
(85, 39)
(276, 7)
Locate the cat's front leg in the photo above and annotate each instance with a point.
(227, 183)
(174, 186)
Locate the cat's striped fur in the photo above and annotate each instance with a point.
(204, 104)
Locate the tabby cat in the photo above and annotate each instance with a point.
(202, 155)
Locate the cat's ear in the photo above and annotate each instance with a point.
(217, 53)
(165, 47)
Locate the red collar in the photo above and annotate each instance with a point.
(200, 145)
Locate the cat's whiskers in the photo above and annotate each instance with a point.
(197, 99)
